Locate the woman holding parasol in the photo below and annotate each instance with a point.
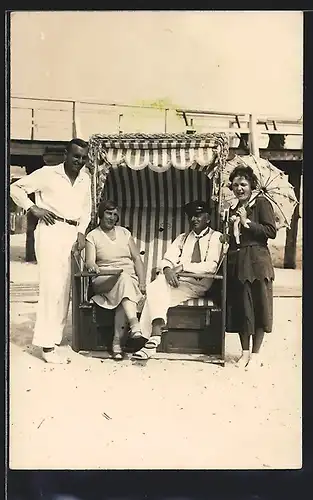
(250, 270)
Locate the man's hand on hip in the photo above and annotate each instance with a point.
(42, 214)
(171, 277)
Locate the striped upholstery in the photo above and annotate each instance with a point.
(151, 207)
(201, 302)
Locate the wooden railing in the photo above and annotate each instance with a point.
(247, 127)
(38, 104)
(31, 117)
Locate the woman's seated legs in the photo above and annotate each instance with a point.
(104, 284)
(122, 291)
(130, 309)
(119, 326)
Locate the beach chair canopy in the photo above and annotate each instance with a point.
(152, 177)
(158, 152)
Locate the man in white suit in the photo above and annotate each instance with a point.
(197, 252)
(63, 208)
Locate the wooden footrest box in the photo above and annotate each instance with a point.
(194, 330)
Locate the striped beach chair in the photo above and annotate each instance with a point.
(151, 202)
(151, 207)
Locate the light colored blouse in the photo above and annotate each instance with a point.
(112, 253)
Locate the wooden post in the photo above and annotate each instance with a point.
(120, 116)
(291, 234)
(32, 133)
(165, 120)
(94, 208)
(224, 284)
(253, 137)
(74, 131)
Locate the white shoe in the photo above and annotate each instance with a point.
(52, 357)
(244, 360)
(255, 362)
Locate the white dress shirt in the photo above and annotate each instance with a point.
(237, 222)
(55, 192)
(210, 249)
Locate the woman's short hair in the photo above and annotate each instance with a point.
(247, 173)
(106, 205)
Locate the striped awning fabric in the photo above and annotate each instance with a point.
(162, 159)
(158, 152)
(155, 141)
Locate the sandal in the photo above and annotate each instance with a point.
(141, 355)
(135, 332)
(117, 353)
(149, 349)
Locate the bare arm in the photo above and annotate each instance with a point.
(137, 263)
(91, 257)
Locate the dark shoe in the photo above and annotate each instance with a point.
(134, 344)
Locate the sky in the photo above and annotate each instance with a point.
(219, 60)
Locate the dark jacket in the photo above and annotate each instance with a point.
(251, 259)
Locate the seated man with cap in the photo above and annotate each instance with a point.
(197, 251)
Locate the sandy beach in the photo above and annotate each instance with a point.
(172, 94)
(96, 413)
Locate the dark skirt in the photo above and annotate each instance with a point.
(249, 306)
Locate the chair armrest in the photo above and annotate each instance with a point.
(103, 272)
(200, 275)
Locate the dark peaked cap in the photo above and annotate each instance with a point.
(197, 207)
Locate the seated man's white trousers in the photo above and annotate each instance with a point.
(160, 296)
(53, 246)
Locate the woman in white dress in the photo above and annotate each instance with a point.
(109, 246)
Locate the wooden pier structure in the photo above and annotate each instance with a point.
(41, 128)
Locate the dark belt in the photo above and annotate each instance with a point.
(68, 221)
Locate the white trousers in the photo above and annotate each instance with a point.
(53, 246)
(160, 296)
